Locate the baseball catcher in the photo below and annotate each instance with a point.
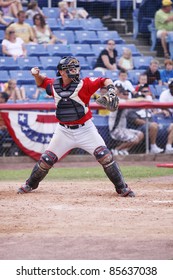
(75, 126)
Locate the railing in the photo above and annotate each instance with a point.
(47, 108)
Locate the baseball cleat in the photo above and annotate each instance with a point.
(125, 191)
(24, 189)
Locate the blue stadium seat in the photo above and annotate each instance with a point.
(159, 90)
(66, 35)
(133, 75)
(8, 63)
(83, 62)
(30, 91)
(2, 33)
(142, 62)
(49, 62)
(93, 24)
(97, 48)
(54, 24)
(73, 24)
(91, 73)
(28, 62)
(110, 34)
(4, 76)
(59, 50)
(112, 74)
(52, 12)
(49, 73)
(91, 61)
(36, 50)
(86, 37)
(170, 43)
(22, 77)
(132, 47)
(81, 49)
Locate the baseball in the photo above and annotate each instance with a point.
(34, 71)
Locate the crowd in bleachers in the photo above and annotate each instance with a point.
(82, 36)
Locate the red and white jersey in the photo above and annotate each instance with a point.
(81, 94)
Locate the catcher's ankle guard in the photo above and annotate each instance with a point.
(41, 169)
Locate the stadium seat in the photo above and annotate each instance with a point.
(73, 24)
(91, 73)
(86, 37)
(36, 50)
(170, 43)
(8, 63)
(132, 47)
(53, 23)
(133, 76)
(2, 33)
(112, 74)
(22, 77)
(93, 24)
(52, 12)
(65, 35)
(142, 62)
(105, 36)
(28, 62)
(59, 50)
(81, 49)
(91, 61)
(49, 62)
(97, 48)
(159, 89)
(30, 91)
(83, 62)
(4, 76)
(49, 73)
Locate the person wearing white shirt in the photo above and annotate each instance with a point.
(123, 80)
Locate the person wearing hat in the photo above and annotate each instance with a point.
(164, 24)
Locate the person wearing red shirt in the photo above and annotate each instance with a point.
(75, 128)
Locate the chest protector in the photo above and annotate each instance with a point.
(67, 109)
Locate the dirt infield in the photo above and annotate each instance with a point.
(87, 220)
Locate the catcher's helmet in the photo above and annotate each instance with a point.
(69, 63)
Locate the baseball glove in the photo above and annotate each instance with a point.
(109, 100)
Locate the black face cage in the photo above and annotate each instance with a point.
(68, 64)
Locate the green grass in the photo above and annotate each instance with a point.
(90, 173)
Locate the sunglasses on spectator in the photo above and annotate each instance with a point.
(11, 32)
(144, 91)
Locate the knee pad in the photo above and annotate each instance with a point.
(47, 160)
(103, 156)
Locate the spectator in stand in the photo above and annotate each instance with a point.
(153, 73)
(167, 95)
(143, 86)
(11, 9)
(42, 31)
(127, 85)
(32, 10)
(107, 58)
(41, 95)
(14, 92)
(77, 13)
(23, 29)
(127, 138)
(137, 120)
(167, 73)
(64, 12)
(13, 45)
(3, 5)
(125, 62)
(164, 24)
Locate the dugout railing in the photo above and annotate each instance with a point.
(11, 145)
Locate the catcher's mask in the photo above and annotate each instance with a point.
(72, 67)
